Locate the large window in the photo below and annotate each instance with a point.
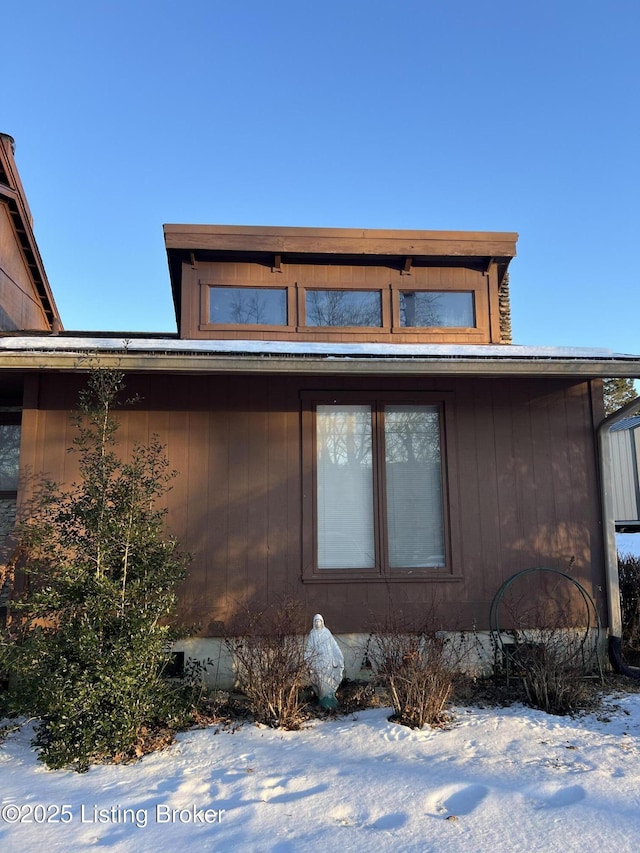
(377, 499)
(353, 311)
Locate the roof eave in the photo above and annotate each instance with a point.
(197, 363)
(340, 241)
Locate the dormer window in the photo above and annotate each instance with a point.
(436, 309)
(248, 306)
(344, 308)
(302, 307)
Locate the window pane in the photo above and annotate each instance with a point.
(436, 308)
(414, 486)
(248, 305)
(345, 487)
(9, 456)
(343, 308)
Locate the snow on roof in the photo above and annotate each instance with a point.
(167, 353)
(88, 343)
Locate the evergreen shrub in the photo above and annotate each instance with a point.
(87, 640)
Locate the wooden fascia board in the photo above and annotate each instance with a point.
(316, 241)
(158, 362)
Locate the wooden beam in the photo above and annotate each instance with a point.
(336, 241)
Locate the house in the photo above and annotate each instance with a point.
(351, 424)
(26, 300)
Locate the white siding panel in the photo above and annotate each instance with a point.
(625, 475)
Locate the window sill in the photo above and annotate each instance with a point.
(242, 327)
(337, 576)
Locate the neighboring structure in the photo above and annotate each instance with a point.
(625, 453)
(26, 303)
(350, 425)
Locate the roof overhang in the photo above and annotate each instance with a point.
(340, 241)
(69, 353)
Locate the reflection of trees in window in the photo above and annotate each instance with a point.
(345, 487)
(248, 306)
(248, 309)
(9, 456)
(344, 435)
(436, 308)
(412, 434)
(343, 308)
(413, 486)
(407, 500)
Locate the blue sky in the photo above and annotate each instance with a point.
(456, 115)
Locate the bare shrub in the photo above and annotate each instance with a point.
(549, 646)
(417, 669)
(553, 679)
(629, 575)
(268, 650)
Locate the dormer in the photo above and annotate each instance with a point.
(334, 284)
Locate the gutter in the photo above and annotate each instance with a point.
(612, 580)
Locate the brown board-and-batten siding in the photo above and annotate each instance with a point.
(520, 468)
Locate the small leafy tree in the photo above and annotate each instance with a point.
(88, 643)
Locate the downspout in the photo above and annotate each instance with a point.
(612, 581)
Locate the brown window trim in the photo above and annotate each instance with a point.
(385, 315)
(444, 334)
(381, 573)
(205, 325)
(480, 309)
(390, 308)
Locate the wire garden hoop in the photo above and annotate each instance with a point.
(506, 640)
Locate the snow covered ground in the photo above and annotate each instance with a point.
(500, 779)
